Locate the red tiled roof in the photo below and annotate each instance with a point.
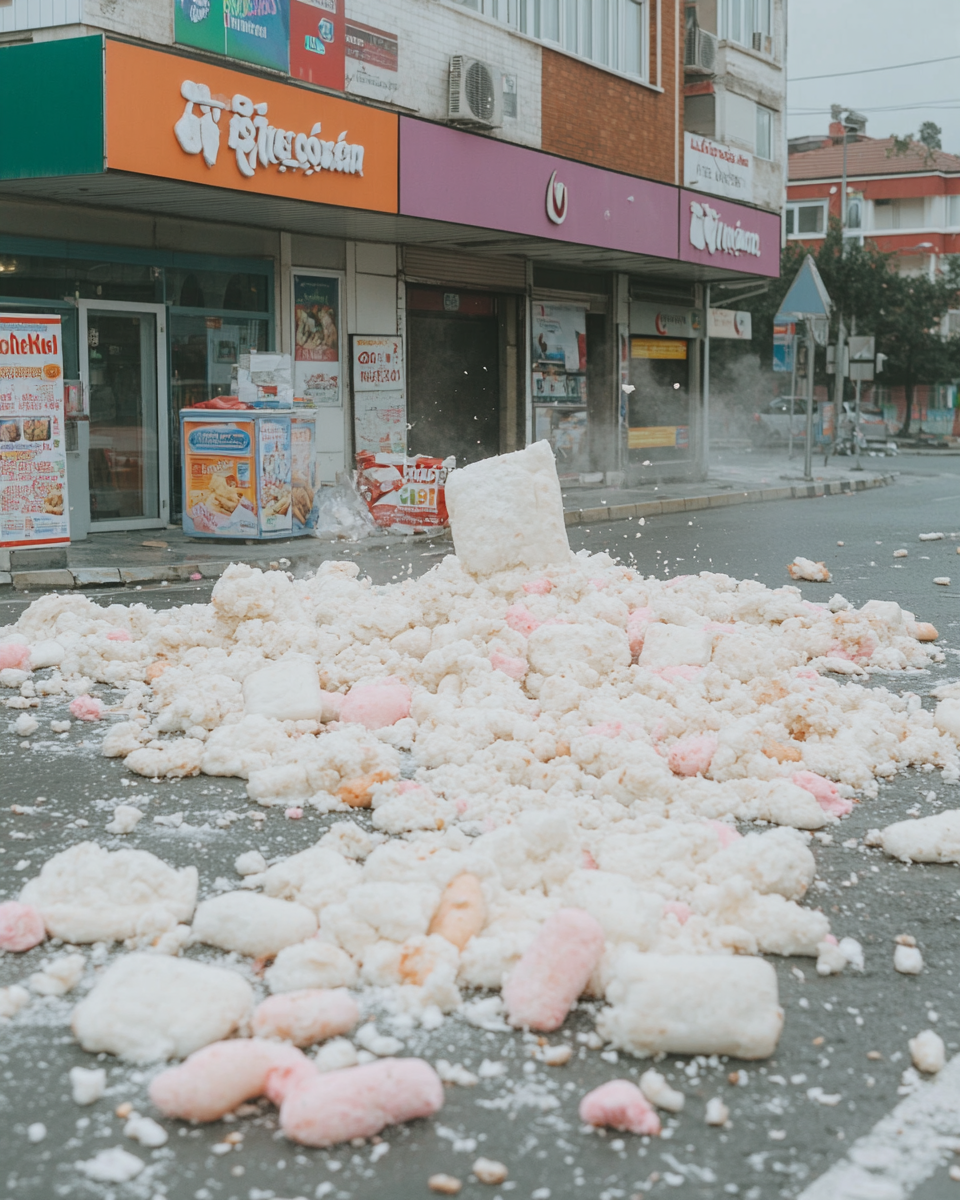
(868, 157)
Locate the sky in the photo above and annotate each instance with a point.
(826, 36)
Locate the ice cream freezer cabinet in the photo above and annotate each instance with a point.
(248, 474)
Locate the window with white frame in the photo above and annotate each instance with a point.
(748, 22)
(806, 218)
(610, 33)
(953, 211)
(764, 132)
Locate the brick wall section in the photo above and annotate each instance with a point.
(595, 117)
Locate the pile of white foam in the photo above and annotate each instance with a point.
(557, 726)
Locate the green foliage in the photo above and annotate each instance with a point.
(930, 135)
(903, 312)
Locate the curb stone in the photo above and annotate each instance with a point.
(80, 577)
(657, 508)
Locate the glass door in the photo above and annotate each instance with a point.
(123, 367)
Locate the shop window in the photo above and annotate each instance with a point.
(191, 293)
(34, 276)
(237, 292)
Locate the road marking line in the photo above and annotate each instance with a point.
(902, 1150)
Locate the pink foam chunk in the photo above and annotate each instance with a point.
(553, 971)
(516, 668)
(825, 792)
(678, 909)
(692, 755)
(15, 655)
(600, 584)
(621, 1105)
(360, 1101)
(637, 624)
(377, 705)
(214, 1080)
(587, 861)
(831, 939)
(86, 708)
(671, 674)
(293, 814)
(608, 729)
(21, 927)
(726, 834)
(307, 1016)
(538, 587)
(521, 619)
(118, 635)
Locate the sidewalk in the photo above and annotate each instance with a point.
(152, 556)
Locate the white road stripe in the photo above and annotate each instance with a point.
(902, 1150)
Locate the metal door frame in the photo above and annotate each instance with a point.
(159, 311)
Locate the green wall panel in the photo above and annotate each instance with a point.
(52, 95)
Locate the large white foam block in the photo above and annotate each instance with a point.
(693, 1004)
(287, 691)
(507, 512)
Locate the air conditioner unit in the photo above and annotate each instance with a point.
(763, 44)
(700, 51)
(476, 93)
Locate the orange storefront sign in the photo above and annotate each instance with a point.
(179, 118)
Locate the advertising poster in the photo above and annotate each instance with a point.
(252, 31)
(33, 462)
(372, 62)
(274, 475)
(316, 339)
(303, 458)
(316, 42)
(784, 346)
(219, 478)
(379, 397)
(560, 335)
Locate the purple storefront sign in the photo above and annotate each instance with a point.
(447, 175)
(718, 233)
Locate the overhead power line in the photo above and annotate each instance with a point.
(873, 70)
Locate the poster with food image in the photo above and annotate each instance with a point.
(316, 339)
(303, 457)
(275, 476)
(33, 462)
(219, 478)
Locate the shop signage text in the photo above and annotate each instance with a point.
(556, 200)
(254, 140)
(709, 232)
(726, 323)
(665, 320)
(32, 343)
(720, 170)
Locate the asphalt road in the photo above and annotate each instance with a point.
(779, 1140)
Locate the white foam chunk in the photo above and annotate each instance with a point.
(287, 691)
(675, 646)
(947, 717)
(311, 964)
(692, 1004)
(507, 512)
(87, 1085)
(929, 839)
(252, 924)
(149, 1007)
(88, 894)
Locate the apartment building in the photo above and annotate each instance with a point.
(906, 202)
(735, 99)
(495, 185)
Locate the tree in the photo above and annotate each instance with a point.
(930, 135)
(908, 330)
(903, 312)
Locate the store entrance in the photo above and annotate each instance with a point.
(453, 374)
(123, 368)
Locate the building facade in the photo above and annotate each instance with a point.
(905, 202)
(497, 186)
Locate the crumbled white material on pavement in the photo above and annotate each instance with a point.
(908, 960)
(928, 1052)
(813, 572)
(559, 761)
(87, 1085)
(659, 1092)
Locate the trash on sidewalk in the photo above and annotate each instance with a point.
(341, 511)
(405, 494)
